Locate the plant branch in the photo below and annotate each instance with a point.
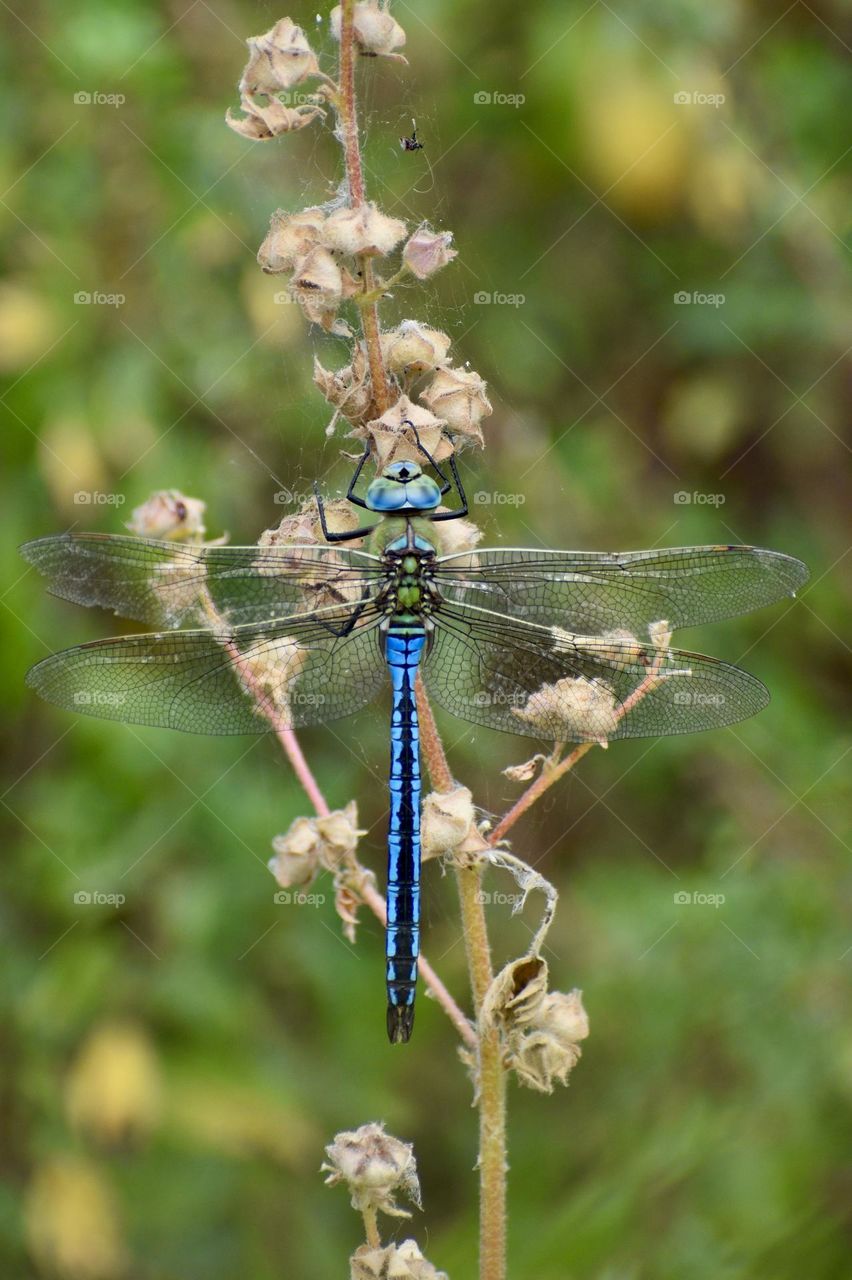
(348, 118)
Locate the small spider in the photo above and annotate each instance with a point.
(411, 144)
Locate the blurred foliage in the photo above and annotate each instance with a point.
(172, 1066)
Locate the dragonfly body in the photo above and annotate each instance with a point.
(560, 646)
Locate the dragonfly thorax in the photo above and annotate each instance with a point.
(402, 486)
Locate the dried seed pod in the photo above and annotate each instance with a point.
(427, 251)
(447, 818)
(517, 994)
(414, 348)
(393, 440)
(541, 1060)
(348, 389)
(279, 59)
(395, 1262)
(317, 285)
(458, 396)
(313, 843)
(456, 536)
(376, 1167)
(573, 709)
(364, 229)
(376, 31)
(290, 237)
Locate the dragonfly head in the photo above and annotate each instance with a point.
(402, 486)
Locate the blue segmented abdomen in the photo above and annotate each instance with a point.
(403, 650)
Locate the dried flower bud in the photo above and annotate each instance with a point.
(376, 1168)
(348, 389)
(413, 348)
(169, 514)
(279, 59)
(427, 251)
(262, 122)
(517, 993)
(446, 821)
(317, 285)
(571, 710)
(393, 439)
(113, 1089)
(563, 1015)
(540, 1060)
(312, 843)
(376, 32)
(395, 1262)
(456, 536)
(290, 237)
(524, 772)
(364, 229)
(458, 396)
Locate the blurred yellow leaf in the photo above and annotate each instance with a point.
(28, 326)
(112, 1092)
(274, 317)
(71, 1223)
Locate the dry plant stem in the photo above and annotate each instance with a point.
(552, 773)
(371, 1228)
(492, 1074)
(348, 117)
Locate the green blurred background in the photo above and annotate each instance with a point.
(172, 1068)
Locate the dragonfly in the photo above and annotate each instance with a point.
(560, 646)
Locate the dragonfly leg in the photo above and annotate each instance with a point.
(346, 535)
(463, 509)
(350, 492)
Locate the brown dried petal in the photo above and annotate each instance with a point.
(262, 122)
(393, 439)
(348, 389)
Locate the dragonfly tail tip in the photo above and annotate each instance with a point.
(400, 1022)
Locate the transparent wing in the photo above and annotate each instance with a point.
(300, 671)
(170, 585)
(591, 592)
(547, 683)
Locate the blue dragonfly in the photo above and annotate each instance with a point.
(561, 646)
